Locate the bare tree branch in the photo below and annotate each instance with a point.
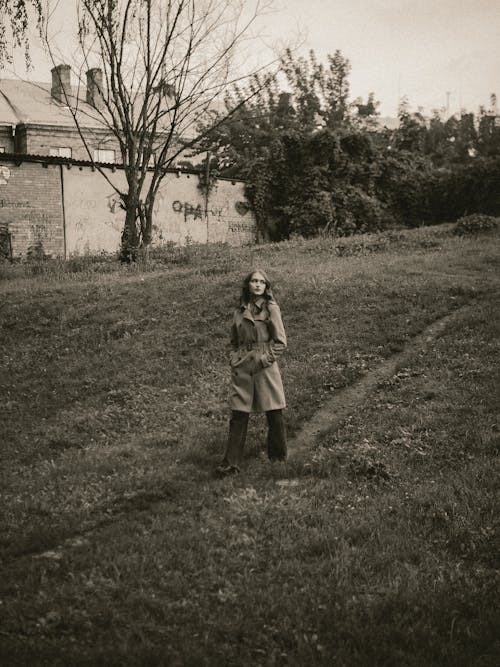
(165, 65)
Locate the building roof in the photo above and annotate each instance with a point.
(31, 102)
(389, 122)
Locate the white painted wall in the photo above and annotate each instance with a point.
(94, 219)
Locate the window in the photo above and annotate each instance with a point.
(151, 161)
(60, 151)
(104, 155)
(2, 149)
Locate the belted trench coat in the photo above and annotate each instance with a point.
(257, 338)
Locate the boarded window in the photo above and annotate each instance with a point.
(104, 155)
(60, 151)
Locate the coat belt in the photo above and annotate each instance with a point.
(254, 345)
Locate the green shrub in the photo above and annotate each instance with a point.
(36, 253)
(476, 223)
(356, 212)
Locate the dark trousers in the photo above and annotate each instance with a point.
(276, 436)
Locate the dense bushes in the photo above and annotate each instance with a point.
(316, 164)
(346, 181)
(358, 212)
(310, 184)
(417, 193)
(470, 225)
(308, 192)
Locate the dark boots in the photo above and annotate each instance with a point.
(276, 436)
(238, 424)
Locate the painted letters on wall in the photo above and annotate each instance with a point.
(73, 210)
(94, 216)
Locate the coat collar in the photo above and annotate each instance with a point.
(246, 309)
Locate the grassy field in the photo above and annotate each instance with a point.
(376, 544)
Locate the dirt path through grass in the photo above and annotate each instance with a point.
(332, 414)
(345, 403)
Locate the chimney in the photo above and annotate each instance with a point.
(61, 83)
(94, 88)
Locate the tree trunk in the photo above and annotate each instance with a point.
(146, 215)
(146, 220)
(130, 235)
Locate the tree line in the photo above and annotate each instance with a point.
(317, 163)
(314, 161)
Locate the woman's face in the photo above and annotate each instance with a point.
(257, 284)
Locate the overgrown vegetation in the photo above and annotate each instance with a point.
(379, 546)
(317, 162)
(216, 258)
(475, 224)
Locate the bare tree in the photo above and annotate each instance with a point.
(164, 64)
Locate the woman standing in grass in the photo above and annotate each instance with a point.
(258, 338)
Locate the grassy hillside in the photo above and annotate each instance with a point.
(377, 544)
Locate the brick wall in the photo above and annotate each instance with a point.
(34, 197)
(31, 207)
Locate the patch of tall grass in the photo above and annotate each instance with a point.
(216, 258)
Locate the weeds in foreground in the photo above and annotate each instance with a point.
(216, 258)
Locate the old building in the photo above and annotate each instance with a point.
(52, 198)
(36, 119)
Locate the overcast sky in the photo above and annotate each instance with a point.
(433, 51)
(419, 48)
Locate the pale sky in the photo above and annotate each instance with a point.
(432, 51)
(422, 49)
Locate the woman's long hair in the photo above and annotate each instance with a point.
(245, 288)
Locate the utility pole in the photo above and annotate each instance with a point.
(207, 188)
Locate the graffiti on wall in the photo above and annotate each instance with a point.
(6, 203)
(114, 203)
(197, 212)
(95, 214)
(93, 222)
(188, 209)
(39, 232)
(4, 174)
(242, 207)
(236, 227)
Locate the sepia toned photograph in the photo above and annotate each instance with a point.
(249, 333)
